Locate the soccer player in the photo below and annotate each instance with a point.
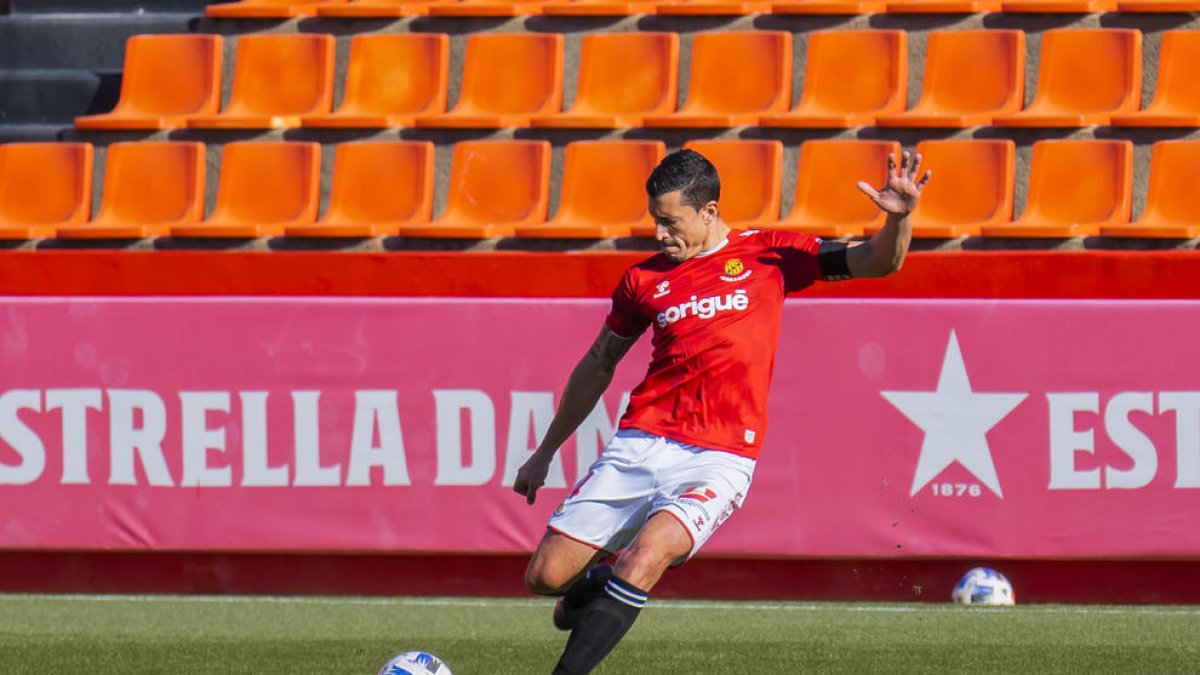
(683, 456)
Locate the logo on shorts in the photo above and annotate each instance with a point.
(735, 270)
(700, 494)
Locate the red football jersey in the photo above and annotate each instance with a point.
(716, 326)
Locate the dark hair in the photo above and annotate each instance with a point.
(689, 172)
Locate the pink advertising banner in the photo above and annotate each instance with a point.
(898, 427)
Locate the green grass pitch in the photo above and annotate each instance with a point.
(156, 635)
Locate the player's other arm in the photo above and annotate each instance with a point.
(586, 384)
(884, 252)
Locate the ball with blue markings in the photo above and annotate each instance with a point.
(986, 587)
(415, 663)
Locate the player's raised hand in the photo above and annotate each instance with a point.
(902, 190)
(531, 477)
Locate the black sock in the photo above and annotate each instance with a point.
(587, 587)
(601, 627)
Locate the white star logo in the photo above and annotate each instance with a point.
(956, 421)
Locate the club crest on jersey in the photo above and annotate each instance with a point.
(735, 270)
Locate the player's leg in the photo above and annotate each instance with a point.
(558, 563)
(661, 543)
(565, 567)
(698, 490)
(602, 513)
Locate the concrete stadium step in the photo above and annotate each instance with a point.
(31, 133)
(55, 96)
(139, 6)
(84, 41)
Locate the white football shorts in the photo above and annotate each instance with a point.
(639, 475)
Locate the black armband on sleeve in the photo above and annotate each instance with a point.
(831, 258)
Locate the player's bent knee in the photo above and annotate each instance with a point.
(537, 578)
(557, 563)
(647, 558)
(547, 576)
(540, 583)
(661, 544)
(643, 565)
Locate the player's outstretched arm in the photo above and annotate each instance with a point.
(584, 387)
(884, 252)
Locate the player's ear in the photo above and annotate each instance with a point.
(708, 212)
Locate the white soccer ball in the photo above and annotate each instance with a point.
(415, 663)
(984, 586)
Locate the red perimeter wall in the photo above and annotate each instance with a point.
(926, 274)
(518, 274)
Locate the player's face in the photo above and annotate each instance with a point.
(681, 230)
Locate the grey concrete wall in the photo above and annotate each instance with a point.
(918, 27)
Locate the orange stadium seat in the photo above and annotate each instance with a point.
(1176, 95)
(601, 8)
(622, 78)
(148, 188)
(603, 190)
(264, 188)
(973, 189)
(1059, 6)
(1172, 210)
(486, 8)
(495, 187)
(1085, 76)
(735, 78)
(970, 77)
(713, 7)
(942, 6)
(378, 186)
(276, 80)
(267, 9)
(167, 78)
(751, 179)
(43, 186)
(1076, 187)
(368, 9)
(507, 79)
(827, 200)
(391, 78)
(830, 7)
(1159, 5)
(850, 78)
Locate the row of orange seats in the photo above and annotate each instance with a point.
(502, 188)
(479, 8)
(852, 78)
